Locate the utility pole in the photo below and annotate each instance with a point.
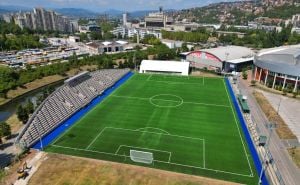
(134, 61)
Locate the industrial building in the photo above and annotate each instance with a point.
(107, 46)
(221, 59)
(90, 27)
(157, 20)
(278, 67)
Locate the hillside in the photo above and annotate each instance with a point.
(240, 12)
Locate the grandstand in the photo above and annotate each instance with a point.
(75, 94)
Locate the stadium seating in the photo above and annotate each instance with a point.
(65, 101)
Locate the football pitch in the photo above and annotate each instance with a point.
(188, 124)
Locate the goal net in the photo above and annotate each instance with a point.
(141, 157)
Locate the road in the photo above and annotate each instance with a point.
(288, 170)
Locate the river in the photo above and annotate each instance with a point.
(10, 108)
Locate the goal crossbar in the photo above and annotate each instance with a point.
(141, 156)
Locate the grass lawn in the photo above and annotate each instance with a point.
(187, 123)
(60, 170)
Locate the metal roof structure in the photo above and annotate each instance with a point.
(226, 53)
(240, 60)
(285, 60)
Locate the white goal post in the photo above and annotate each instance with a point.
(141, 157)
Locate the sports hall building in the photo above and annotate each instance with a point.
(225, 59)
(278, 67)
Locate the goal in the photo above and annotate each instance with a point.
(141, 157)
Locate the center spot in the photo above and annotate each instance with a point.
(166, 100)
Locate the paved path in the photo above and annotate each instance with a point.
(288, 170)
(33, 164)
(289, 110)
(7, 152)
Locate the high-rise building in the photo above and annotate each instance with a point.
(41, 19)
(124, 19)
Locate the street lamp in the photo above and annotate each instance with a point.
(270, 126)
(280, 104)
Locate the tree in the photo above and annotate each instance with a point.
(245, 74)
(5, 130)
(96, 35)
(184, 47)
(22, 114)
(83, 37)
(253, 82)
(29, 107)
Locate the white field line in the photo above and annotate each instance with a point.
(195, 103)
(66, 131)
(178, 164)
(171, 82)
(236, 123)
(98, 135)
(162, 151)
(148, 79)
(173, 135)
(188, 78)
(144, 128)
(138, 130)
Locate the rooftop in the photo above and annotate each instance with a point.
(230, 52)
(284, 59)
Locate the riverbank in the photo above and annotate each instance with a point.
(40, 83)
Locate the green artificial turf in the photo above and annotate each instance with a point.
(187, 123)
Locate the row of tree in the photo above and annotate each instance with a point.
(5, 130)
(10, 78)
(262, 38)
(19, 42)
(197, 36)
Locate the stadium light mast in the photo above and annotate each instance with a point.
(270, 126)
(40, 138)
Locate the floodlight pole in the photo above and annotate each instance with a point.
(40, 138)
(270, 127)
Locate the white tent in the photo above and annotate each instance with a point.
(160, 66)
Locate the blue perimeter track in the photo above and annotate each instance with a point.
(47, 139)
(251, 145)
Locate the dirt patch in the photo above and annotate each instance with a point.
(60, 169)
(282, 129)
(11, 175)
(267, 89)
(33, 85)
(15, 123)
(204, 74)
(295, 154)
(75, 71)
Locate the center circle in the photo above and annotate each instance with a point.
(166, 100)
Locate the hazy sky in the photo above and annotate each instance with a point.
(100, 5)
